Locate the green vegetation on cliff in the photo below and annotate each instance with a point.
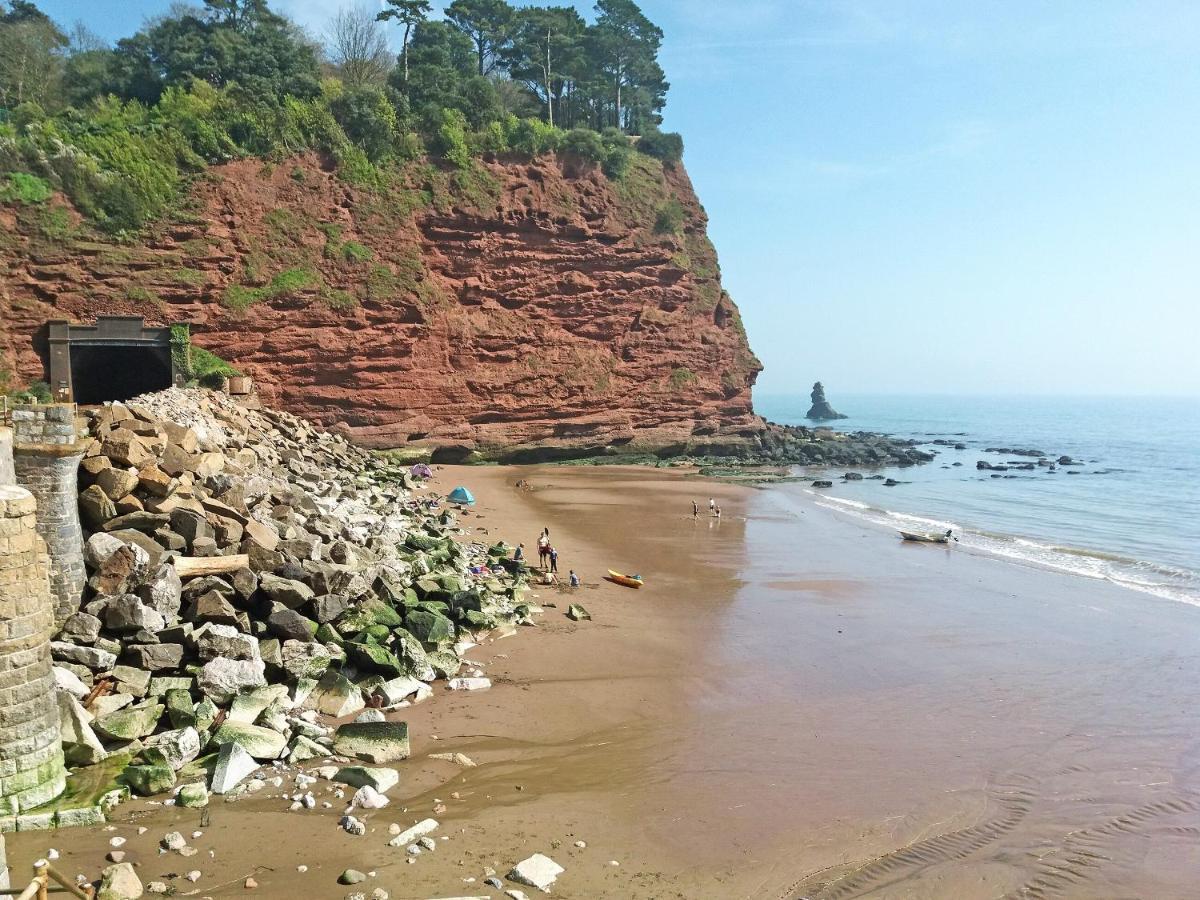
(121, 130)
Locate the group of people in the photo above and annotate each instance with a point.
(713, 509)
(547, 560)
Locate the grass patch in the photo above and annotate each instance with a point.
(239, 297)
(353, 251)
(681, 378)
(338, 299)
(187, 276)
(670, 218)
(139, 294)
(20, 187)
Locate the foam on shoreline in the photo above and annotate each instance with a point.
(1165, 582)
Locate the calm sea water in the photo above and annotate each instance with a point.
(1131, 514)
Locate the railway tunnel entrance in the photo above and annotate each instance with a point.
(115, 359)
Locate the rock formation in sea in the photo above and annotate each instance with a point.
(821, 411)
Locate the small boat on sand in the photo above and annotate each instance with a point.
(926, 537)
(633, 581)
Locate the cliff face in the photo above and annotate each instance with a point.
(516, 306)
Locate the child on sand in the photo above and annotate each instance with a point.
(553, 560)
(574, 579)
(520, 553)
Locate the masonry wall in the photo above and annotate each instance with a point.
(31, 759)
(47, 448)
(7, 475)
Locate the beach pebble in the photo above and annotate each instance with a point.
(351, 876)
(413, 850)
(514, 894)
(193, 876)
(115, 856)
(301, 869)
(116, 842)
(581, 844)
(157, 887)
(369, 798)
(371, 715)
(173, 840)
(354, 826)
(250, 884)
(494, 883)
(428, 843)
(379, 894)
(613, 862)
(51, 854)
(143, 829)
(537, 871)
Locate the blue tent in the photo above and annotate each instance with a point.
(462, 497)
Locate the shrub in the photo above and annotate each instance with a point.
(618, 154)
(450, 138)
(368, 120)
(681, 378)
(22, 188)
(585, 143)
(670, 219)
(352, 251)
(533, 137)
(664, 145)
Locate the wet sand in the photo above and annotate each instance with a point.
(794, 705)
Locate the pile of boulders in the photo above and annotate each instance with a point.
(251, 578)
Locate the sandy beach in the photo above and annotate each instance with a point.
(796, 705)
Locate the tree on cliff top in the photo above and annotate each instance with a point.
(547, 52)
(408, 13)
(488, 23)
(31, 46)
(358, 47)
(625, 47)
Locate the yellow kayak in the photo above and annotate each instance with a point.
(633, 581)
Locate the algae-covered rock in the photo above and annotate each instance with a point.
(259, 742)
(577, 612)
(429, 627)
(445, 662)
(374, 658)
(335, 695)
(192, 796)
(148, 780)
(130, 723)
(374, 742)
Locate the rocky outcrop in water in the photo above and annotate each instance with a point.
(821, 411)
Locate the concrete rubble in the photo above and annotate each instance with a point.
(250, 578)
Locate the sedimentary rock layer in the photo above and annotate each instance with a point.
(522, 304)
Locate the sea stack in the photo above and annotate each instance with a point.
(820, 410)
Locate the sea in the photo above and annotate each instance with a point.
(1127, 510)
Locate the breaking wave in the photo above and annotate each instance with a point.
(1165, 581)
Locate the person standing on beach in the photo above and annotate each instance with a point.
(712, 506)
(543, 547)
(553, 560)
(695, 510)
(717, 512)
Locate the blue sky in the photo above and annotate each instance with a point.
(911, 196)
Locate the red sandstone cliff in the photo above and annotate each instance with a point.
(521, 305)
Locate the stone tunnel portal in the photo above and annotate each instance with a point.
(115, 359)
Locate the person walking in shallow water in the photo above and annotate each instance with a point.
(695, 510)
(712, 506)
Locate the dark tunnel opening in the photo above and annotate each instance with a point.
(100, 373)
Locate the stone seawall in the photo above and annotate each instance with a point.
(7, 475)
(47, 448)
(31, 757)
